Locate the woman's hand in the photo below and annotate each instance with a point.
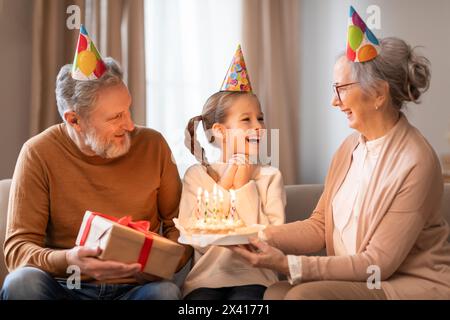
(261, 255)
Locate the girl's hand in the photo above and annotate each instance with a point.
(245, 170)
(237, 173)
(261, 255)
(244, 174)
(227, 179)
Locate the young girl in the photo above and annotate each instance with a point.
(233, 122)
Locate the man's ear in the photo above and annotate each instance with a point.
(72, 119)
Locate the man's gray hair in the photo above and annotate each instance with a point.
(80, 96)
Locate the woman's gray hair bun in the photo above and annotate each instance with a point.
(407, 72)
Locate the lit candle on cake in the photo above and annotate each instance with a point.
(233, 203)
(221, 203)
(206, 196)
(215, 199)
(199, 202)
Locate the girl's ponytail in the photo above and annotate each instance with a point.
(191, 141)
(196, 149)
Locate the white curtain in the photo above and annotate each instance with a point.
(271, 33)
(189, 45)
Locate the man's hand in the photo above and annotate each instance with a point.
(86, 259)
(261, 255)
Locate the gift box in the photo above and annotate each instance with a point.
(127, 241)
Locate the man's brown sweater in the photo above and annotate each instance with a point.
(54, 183)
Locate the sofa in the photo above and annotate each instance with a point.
(301, 200)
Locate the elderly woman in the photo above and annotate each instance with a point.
(379, 215)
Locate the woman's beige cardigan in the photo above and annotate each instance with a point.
(402, 230)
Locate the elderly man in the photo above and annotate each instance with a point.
(97, 159)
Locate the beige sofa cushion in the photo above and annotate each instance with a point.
(301, 200)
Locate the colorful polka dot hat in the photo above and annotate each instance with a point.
(87, 64)
(237, 76)
(362, 45)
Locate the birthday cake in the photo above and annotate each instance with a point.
(215, 225)
(211, 218)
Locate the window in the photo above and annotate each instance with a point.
(189, 46)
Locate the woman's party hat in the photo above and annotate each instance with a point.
(87, 64)
(362, 45)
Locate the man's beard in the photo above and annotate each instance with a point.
(107, 148)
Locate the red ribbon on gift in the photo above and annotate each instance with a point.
(142, 226)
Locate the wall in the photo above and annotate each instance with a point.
(323, 36)
(15, 64)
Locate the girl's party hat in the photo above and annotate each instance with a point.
(237, 78)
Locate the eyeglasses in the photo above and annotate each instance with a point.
(337, 87)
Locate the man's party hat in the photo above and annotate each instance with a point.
(87, 64)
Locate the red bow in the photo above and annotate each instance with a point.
(141, 225)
